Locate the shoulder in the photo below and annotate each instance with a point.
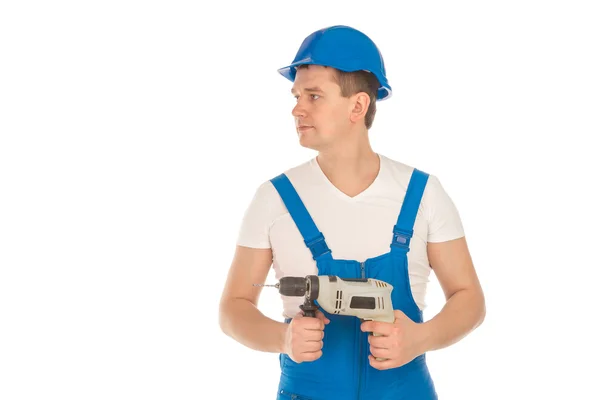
(397, 168)
(401, 172)
(266, 206)
(299, 175)
(303, 173)
(437, 206)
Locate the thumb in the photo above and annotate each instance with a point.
(322, 316)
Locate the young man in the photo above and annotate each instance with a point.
(360, 215)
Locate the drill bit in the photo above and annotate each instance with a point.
(262, 284)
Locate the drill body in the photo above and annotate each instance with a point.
(367, 299)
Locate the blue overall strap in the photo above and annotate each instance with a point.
(313, 238)
(403, 230)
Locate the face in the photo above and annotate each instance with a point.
(321, 114)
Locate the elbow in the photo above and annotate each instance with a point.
(224, 317)
(482, 310)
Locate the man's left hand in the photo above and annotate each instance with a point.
(400, 343)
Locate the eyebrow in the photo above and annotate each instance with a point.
(312, 89)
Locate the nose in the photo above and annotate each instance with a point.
(299, 111)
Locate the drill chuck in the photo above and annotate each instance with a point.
(297, 286)
(293, 286)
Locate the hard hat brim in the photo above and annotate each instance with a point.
(289, 72)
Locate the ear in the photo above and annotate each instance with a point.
(359, 105)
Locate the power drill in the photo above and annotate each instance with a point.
(367, 299)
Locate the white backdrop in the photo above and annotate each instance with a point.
(133, 136)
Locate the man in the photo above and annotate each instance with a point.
(360, 214)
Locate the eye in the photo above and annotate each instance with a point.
(312, 96)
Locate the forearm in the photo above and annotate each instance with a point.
(462, 313)
(243, 322)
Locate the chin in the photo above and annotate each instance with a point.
(308, 145)
(311, 141)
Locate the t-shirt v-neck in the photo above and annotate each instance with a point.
(366, 192)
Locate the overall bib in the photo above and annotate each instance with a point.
(343, 371)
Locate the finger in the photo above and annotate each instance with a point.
(311, 347)
(381, 328)
(384, 364)
(313, 324)
(399, 315)
(322, 316)
(314, 335)
(379, 341)
(311, 356)
(366, 326)
(308, 322)
(380, 352)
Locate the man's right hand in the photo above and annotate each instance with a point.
(304, 337)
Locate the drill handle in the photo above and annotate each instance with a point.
(309, 308)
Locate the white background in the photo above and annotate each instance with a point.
(133, 136)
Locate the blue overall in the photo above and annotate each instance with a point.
(343, 371)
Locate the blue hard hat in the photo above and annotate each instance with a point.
(343, 48)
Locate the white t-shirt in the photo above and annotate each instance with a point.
(355, 228)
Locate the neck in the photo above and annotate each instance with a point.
(349, 161)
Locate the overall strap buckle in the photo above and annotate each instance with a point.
(318, 246)
(402, 238)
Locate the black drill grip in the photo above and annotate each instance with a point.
(309, 308)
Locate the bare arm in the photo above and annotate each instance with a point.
(465, 304)
(239, 316)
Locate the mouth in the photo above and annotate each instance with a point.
(303, 128)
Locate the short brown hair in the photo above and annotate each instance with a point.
(351, 83)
